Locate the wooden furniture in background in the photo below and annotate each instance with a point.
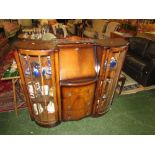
(121, 79)
(84, 76)
(4, 46)
(120, 35)
(14, 81)
(12, 74)
(143, 27)
(129, 26)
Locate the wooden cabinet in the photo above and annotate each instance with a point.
(69, 80)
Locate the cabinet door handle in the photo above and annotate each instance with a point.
(77, 49)
(69, 106)
(69, 117)
(88, 103)
(88, 113)
(104, 96)
(69, 94)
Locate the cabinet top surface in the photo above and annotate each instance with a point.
(52, 45)
(34, 45)
(112, 42)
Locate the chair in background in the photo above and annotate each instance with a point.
(10, 28)
(52, 22)
(97, 29)
(59, 30)
(71, 26)
(25, 22)
(48, 36)
(111, 27)
(4, 46)
(139, 62)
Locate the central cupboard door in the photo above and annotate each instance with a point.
(77, 101)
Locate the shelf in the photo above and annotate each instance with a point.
(41, 99)
(78, 82)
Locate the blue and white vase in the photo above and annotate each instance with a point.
(36, 70)
(49, 70)
(27, 70)
(113, 63)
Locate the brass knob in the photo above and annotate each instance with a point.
(108, 80)
(90, 90)
(69, 94)
(104, 96)
(69, 107)
(88, 113)
(68, 117)
(88, 103)
(76, 49)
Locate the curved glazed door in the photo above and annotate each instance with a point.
(38, 71)
(110, 68)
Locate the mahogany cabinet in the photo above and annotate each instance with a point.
(69, 79)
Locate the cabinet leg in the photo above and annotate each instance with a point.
(14, 96)
(122, 85)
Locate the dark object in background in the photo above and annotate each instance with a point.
(2, 33)
(35, 22)
(140, 60)
(59, 32)
(64, 21)
(1, 29)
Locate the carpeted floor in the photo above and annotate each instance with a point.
(130, 115)
(6, 93)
